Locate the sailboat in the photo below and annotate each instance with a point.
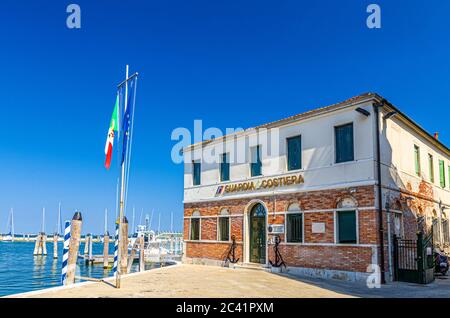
(10, 236)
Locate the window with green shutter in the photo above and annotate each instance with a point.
(224, 228)
(344, 143)
(294, 226)
(417, 159)
(225, 168)
(195, 229)
(431, 168)
(442, 173)
(255, 165)
(294, 145)
(346, 222)
(197, 170)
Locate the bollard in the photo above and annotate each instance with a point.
(55, 246)
(105, 249)
(124, 246)
(142, 255)
(74, 245)
(65, 252)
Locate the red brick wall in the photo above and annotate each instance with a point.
(348, 258)
(209, 229)
(215, 251)
(352, 258)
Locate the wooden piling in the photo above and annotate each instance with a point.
(105, 249)
(90, 248)
(44, 244)
(36, 245)
(55, 246)
(86, 244)
(141, 255)
(124, 246)
(75, 237)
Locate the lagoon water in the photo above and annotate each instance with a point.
(20, 271)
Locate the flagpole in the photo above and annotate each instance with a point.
(122, 193)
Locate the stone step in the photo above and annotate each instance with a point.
(253, 266)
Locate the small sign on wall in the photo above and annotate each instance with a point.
(318, 228)
(276, 228)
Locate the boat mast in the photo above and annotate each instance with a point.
(132, 222)
(171, 222)
(12, 224)
(106, 221)
(159, 222)
(43, 220)
(58, 225)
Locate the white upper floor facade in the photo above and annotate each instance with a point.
(330, 147)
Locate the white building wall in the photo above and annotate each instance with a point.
(318, 156)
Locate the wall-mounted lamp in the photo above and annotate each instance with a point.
(363, 111)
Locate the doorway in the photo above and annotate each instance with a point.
(257, 226)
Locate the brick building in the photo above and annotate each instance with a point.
(312, 179)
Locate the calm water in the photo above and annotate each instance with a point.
(20, 271)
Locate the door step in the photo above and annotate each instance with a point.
(253, 266)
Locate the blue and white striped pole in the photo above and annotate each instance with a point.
(116, 250)
(65, 259)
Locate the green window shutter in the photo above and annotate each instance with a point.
(294, 145)
(225, 168)
(449, 176)
(344, 143)
(195, 229)
(431, 167)
(417, 160)
(346, 226)
(224, 228)
(442, 173)
(197, 173)
(294, 228)
(256, 162)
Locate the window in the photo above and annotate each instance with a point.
(417, 159)
(295, 228)
(442, 173)
(294, 224)
(445, 230)
(346, 221)
(344, 143)
(224, 225)
(197, 168)
(436, 231)
(294, 145)
(431, 167)
(195, 226)
(225, 168)
(255, 165)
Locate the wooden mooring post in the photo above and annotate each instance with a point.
(40, 246)
(105, 250)
(75, 237)
(55, 245)
(142, 255)
(124, 246)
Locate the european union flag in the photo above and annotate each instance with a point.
(127, 118)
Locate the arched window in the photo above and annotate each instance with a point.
(223, 231)
(445, 228)
(195, 226)
(435, 227)
(346, 221)
(294, 224)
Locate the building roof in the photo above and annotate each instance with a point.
(341, 105)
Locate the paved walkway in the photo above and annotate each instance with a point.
(186, 281)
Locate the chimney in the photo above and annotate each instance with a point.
(436, 135)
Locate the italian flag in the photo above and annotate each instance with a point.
(114, 124)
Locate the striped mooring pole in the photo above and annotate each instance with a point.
(116, 250)
(65, 259)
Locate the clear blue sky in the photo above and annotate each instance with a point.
(231, 63)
